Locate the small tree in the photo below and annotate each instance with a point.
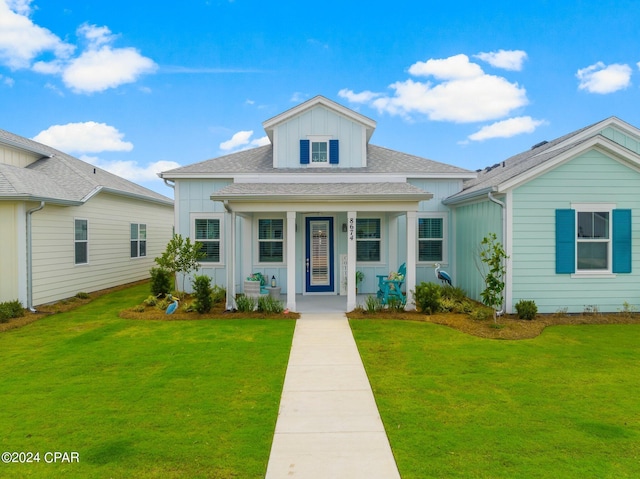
(202, 291)
(493, 257)
(181, 256)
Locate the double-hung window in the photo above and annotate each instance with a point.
(592, 239)
(208, 233)
(319, 150)
(270, 240)
(138, 240)
(81, 240)
(368, 239)
(431, 246)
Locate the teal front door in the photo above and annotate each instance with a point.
(319, 277)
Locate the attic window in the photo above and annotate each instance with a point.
(319, 151)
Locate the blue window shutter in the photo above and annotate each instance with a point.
(621, 241)
(565, 241)
(334, 152)
(304, 152)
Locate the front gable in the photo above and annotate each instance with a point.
(319, 134)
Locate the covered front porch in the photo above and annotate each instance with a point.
(318, 243)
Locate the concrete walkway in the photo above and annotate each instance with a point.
(328, 424)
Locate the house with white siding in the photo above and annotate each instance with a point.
(321, 202)
(67, 226)
(316, 205)
(566, 212)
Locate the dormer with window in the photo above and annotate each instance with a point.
(319, 134)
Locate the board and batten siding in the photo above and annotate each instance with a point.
(17, 157)
(621, 138)
(474, 222)
(193, 196)
(55, 274)
(12, 235)
(320, 121)
(592, 177)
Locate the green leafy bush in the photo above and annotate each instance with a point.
(268, 304)
(151, 301)
(454, 293)
(202, 292)
(10, 310)
(245, 303)
(82, 295)
(427, 297)
(481, 314)
(526, 309)
(160, 281)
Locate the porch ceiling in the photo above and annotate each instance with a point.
(321, 196)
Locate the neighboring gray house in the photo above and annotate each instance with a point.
(67, 226)
(567, 212)
(317, 204)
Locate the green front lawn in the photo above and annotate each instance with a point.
(141, 398)
(563, 405)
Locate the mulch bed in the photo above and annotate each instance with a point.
(506, 327)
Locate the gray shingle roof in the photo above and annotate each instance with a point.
(61, 177)
(260, 160)
(495, 175)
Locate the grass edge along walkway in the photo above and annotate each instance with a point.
(564, 404)
(141, 399)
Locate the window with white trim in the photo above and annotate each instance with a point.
(270, 240)
(208, 233)
(368, 239)
(138, 240)
(81, 241)
(319, 152)
(593, 252)
(431, 239)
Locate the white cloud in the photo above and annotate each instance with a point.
(243, 139)
(99, 67)
(506, 59)
(8, 81)
(600, 78)
(362, 97)
(298, 97)
(87, 137)
(465, 94)
(507, 128)
(131, 170)
(21, 40)
(99, 70)
(452, 68)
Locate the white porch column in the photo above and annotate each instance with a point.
(351, 260)
(410, 280)
(291, 260)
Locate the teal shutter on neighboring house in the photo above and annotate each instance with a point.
(621, 241)
(334, 153)
(304, 152)
(565, 241)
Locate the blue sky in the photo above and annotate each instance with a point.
(136, 90)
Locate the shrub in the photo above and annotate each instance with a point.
(160, 281)
(481, 314)
(82, 295)
(151, 301)
(202, 292)
(245, 303)
(10, 310)
(453, 293)
(268, 304)
(373, 304)
(526, 309)
(427, 296)
(218, 294)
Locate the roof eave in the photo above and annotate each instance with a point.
(469, 196)
(324, 198)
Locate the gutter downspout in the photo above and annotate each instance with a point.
(504, 241)
(170, 185)
(231, 263)
(30, 258)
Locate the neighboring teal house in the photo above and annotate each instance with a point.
(567, 214)
(316, 205)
